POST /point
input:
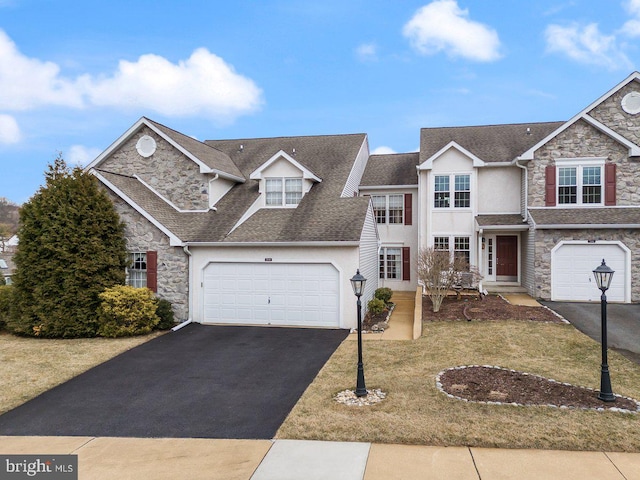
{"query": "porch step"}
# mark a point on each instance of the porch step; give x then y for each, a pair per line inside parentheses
(497, 288)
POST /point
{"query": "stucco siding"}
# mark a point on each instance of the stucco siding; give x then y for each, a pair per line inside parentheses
(499, 190)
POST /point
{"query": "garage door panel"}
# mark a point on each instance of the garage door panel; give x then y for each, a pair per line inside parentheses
(573, 265)
(278, 294)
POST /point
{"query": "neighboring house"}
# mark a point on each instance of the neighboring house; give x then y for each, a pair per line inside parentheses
(7, 267)
(254, 231)
(536, 206)
(392, 183)
(270, 230)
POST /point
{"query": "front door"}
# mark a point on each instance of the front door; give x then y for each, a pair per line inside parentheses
(507, 258)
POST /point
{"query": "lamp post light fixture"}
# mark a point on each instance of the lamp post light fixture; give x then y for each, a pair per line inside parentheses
(604, 275)
(358, 282)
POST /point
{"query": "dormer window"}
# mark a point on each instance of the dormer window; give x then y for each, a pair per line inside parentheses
(283, 192)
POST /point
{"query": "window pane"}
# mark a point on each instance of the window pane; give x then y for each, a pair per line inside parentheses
(568, 189)
(274, 191)
(394, 262)
(293, 191)
(381, 264)
(396, 206)
(137, 272)
(441, 195)
(441, 243)
(461, 249)
(591, 185)
(462, 194)
(379, 208)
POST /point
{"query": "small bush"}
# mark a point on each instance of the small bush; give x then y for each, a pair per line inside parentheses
(6, 300)
(376, 306)
(127, 311)
(384, 294)
(165, 312)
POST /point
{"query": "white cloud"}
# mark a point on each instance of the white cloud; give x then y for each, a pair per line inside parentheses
(367, 52)
(631, 28)
(382, 150)
(9, 130)
(442, 26)
(81, 155)
(201, 85)
(27, 83)
(204, 84)
(586, 44)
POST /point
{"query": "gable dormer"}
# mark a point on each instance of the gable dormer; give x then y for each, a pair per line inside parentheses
(283, 181)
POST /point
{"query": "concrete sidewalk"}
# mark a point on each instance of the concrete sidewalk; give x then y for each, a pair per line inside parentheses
(105, 458)
(400, 322)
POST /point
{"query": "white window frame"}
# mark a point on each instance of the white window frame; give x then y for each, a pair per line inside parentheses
(451, 193)
(283, 191)
(385, 269)
(451, 244)
(387, 209)
(580, 164)
(137, 277)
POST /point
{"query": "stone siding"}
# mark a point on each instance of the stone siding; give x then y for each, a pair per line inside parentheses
(546, 240)
(611, 114)
(168, 171)
(581, 140)
(173, 262)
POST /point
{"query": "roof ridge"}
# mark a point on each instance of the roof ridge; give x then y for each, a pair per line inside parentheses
(495, 125)
(284, 137)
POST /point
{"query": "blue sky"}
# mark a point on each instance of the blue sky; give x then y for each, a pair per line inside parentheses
(76, 75)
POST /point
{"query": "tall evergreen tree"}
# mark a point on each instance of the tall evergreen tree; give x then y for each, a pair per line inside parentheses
(71, 248)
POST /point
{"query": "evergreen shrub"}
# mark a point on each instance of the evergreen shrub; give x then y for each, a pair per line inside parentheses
(165, 313)
(376, 306)
(127, 311)
(383, 294)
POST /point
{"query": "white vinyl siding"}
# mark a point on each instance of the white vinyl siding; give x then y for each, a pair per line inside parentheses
(369, 258)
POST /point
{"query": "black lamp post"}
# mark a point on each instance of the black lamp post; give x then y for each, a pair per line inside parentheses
(604, 275)
(357, 282)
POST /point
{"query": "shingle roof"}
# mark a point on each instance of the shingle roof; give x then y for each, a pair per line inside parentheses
(490, 143)
(208, 155)
(548, 217)
(322, 215)
(509, 219)
(391, 169)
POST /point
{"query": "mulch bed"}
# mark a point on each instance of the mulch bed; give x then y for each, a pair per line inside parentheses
(490, 307)
(492, 384)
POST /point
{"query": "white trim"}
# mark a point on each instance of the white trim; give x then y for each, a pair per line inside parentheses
(306, 173)
(627, 266)
(579, 164)
(174, 241)
(473, 192)
(428, 163)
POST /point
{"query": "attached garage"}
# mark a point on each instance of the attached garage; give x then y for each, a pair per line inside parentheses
(572, 265)
(292, 294)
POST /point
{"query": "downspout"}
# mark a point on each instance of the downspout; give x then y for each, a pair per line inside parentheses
(525, 207)
(480, 253)
(188, 320)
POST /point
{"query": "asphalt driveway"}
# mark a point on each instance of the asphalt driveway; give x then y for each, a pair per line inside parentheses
(623, 324)
(201, 381)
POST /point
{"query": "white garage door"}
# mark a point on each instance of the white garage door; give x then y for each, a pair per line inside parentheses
(573, 266)
(272, 294)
